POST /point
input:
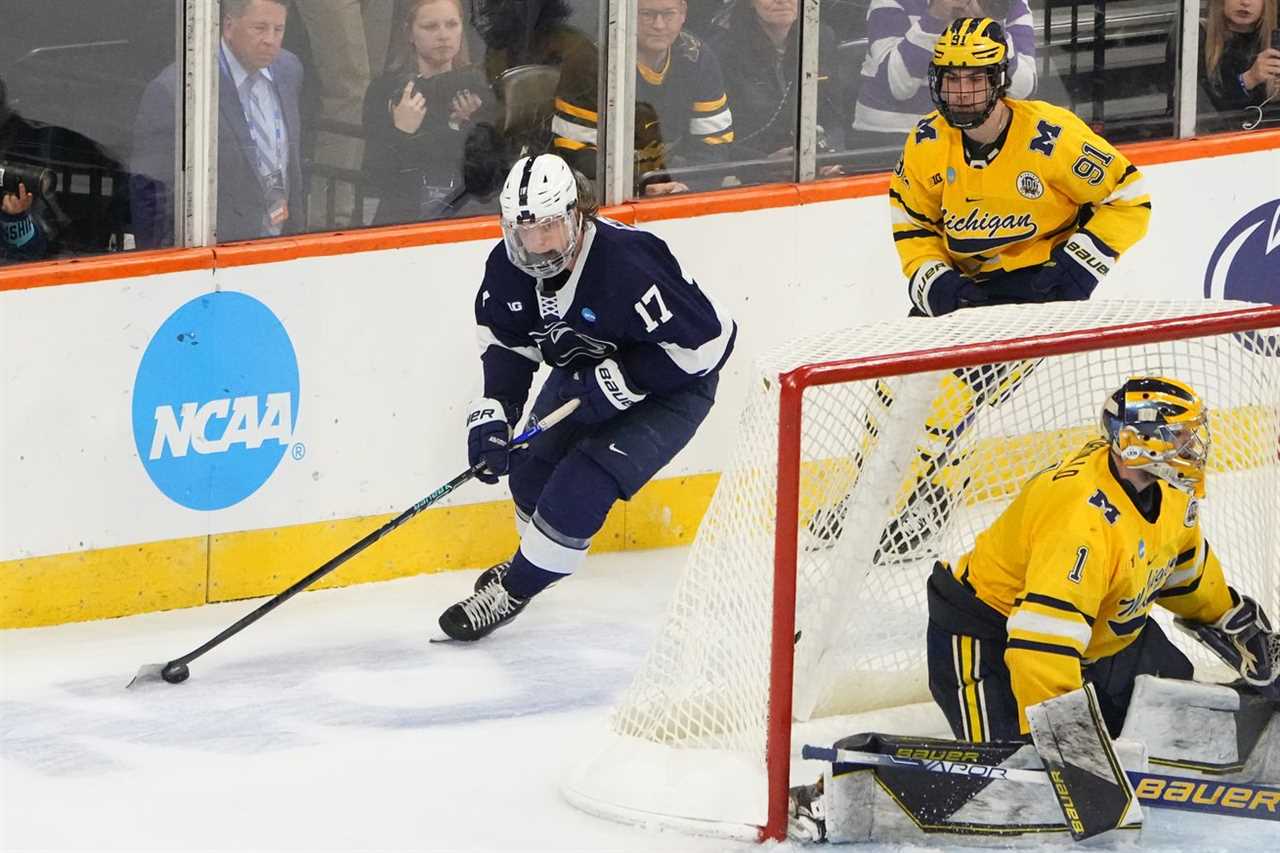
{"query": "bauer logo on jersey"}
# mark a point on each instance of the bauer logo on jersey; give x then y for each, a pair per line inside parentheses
(1029, 185)
(973, 231)
(215, 400)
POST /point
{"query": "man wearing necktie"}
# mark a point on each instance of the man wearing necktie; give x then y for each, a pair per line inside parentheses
(260, 187)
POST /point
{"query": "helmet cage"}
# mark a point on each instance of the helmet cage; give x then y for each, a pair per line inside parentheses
(558, 230)
(965, 118)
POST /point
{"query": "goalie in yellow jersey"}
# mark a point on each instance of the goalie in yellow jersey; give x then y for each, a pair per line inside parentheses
(1058, 592)
(998, 200)
(1058, 589)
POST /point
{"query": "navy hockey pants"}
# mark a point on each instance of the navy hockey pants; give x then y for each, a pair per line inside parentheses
(627, 451)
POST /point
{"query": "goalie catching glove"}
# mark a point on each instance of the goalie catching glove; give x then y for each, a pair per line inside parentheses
(488, 440)
(1244, 639)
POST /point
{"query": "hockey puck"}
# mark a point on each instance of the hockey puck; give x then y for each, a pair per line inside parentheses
(175, 674)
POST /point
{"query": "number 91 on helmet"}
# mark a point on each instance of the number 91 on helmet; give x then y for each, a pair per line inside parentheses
(541, 224)
(1159, 425)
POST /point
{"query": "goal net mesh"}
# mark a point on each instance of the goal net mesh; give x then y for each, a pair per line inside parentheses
(897, 472)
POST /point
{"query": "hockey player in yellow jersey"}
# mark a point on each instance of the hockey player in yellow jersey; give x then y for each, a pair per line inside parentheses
(995, 201)
(1058, 590)
(998, 200)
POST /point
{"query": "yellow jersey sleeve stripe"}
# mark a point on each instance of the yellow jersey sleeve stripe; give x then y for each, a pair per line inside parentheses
(565, 107)
(710, 106)
(1037, 646)
(919, 217)
(568, 144)
(718, 140)
(1052, 603)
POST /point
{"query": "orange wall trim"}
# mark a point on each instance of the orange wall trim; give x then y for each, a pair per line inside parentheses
(137, 264)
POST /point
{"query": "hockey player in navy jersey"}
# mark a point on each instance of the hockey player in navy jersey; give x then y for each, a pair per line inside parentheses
(609, 310)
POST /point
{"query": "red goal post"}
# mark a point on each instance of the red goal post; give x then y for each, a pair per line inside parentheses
(802, 602)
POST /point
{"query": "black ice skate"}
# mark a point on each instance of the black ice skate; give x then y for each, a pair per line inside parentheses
(496, 572)
(806, 813)
(481, 613)
(926, 512)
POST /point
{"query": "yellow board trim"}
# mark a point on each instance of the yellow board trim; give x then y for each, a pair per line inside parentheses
(110, 582)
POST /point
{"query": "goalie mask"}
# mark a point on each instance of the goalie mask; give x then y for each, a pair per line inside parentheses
(540, 220)
(1159, 425)
(969, 43)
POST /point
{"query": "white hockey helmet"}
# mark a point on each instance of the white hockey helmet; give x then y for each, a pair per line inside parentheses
(540, 220)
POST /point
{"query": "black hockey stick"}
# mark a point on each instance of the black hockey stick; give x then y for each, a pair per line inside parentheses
(176, 670)
(1235, 799)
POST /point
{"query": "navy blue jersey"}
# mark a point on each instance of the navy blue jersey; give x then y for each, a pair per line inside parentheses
(626, 299)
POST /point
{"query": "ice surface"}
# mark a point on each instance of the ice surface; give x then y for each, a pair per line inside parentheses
(334, 725)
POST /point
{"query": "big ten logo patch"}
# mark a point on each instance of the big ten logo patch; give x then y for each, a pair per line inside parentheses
(1245, 265)
(215, 400)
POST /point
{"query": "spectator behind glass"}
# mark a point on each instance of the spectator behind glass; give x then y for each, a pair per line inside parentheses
(760, 55)
(260, 189)
(348, 47)
(894, 91)
(417, 116)
(519, 33)
(1238, 66)
(682, 113)
(24, 232)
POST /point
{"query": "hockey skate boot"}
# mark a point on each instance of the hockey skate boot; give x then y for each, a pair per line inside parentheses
(497, 572)
(926, 512)
(806, 813)
(481, 613)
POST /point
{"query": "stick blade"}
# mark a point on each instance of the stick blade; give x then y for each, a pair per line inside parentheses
(147, 674)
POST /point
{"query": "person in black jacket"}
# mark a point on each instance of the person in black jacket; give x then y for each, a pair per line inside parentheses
(419, 114)
(1239, 67)
(760, 55)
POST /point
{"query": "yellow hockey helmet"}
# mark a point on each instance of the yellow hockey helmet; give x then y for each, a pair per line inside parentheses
(1159, 425)
(970, 43)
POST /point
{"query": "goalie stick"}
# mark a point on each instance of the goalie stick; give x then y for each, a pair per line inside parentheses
(176, 671)
(1235, 799)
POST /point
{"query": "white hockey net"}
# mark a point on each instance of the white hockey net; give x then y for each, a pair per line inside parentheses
(894, 473)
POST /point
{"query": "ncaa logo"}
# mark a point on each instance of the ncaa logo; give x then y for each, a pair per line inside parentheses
(1246, 265)
(215, 400)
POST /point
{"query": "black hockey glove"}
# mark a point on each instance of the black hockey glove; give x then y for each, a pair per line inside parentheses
(603, 390)
(488, 439)
(1244, 639)
(1072, 271)
(937, 289)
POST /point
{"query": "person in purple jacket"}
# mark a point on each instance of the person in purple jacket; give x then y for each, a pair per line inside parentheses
(894, 90)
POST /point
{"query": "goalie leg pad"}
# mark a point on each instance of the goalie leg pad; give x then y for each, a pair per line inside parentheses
(1089, 782)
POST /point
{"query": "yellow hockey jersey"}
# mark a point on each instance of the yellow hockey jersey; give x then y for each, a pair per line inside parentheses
(1076, 567)
(1050, 177)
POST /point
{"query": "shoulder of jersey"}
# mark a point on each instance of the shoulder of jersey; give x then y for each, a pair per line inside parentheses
(1083, 484)
(689, 46)
(1036, 111)
(930, 128)
(630, 249)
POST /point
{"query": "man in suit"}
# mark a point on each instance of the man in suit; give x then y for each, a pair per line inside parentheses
(260, 188)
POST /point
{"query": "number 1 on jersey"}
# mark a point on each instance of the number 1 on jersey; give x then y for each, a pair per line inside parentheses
(642, 308)
(1077, 571)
